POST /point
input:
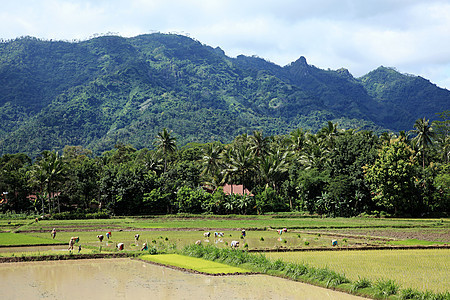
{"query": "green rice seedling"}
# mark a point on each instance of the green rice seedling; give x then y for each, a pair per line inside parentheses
(152, 250)
(278, 265)
(319, 274)
(335, 279)
(261, 239)
(411, 293)
(385, 288)
(361, 283)
(294, 271)
(306, 243)
(299, 236)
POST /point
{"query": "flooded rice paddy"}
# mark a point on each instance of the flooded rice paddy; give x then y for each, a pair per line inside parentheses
(24, 249)
(133, 279)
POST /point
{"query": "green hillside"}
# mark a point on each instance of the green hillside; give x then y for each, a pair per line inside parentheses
(111, 89)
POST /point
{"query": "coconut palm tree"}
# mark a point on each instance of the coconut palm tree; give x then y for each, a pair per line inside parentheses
(239, 164)
(166, 143)
(424, 136)
(329, 134)
(297, 140)
(211, 161)
(258, 143)
(48, 172)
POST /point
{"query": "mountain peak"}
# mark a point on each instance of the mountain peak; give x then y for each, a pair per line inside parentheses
(344, 73)
(299, 67)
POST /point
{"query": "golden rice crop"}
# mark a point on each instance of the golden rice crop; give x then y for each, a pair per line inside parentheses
(424, 269)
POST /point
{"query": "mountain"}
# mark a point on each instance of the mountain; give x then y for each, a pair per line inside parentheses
(111, 89)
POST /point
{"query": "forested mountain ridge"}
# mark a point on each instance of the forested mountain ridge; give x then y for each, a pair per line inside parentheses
(111, 89)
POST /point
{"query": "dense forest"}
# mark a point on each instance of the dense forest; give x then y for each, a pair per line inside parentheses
(111, 90)
(333, 172)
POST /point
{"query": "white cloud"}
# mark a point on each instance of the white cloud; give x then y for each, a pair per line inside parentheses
(411, 35)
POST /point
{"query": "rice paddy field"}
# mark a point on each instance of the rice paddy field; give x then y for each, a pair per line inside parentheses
(196, 264)
(424, 269)
(421, 269)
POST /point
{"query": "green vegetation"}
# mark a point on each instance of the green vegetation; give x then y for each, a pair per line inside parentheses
(13, 239)
(419, 269)
(109, 90)
(303, 272)
(334, 173)
(193, 263)
(403, 273)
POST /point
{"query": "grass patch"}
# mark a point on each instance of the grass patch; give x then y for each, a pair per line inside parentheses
(192, 263)
(15, 239)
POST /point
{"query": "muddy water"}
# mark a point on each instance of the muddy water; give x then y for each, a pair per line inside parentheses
(132, 279)
(33, 249)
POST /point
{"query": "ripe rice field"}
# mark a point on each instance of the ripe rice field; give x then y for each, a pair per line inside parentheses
(419, 269)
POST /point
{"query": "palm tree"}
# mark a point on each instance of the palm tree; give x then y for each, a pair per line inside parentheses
(315, 153)
(297, 140)
(424, 136)
(153, 162)
(48, 172)
(211, 161)
(239, 164)
(272, 168)
(258, 143)
(166, 144)
(329, 134)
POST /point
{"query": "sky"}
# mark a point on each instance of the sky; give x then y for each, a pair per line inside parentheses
(412, 36)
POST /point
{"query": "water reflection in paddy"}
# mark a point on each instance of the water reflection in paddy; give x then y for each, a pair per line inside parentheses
(132, 279)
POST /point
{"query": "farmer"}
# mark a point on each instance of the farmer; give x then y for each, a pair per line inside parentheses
(144, 247)
(53, 233)
(285, 230)
(207, 234)
(198, 242)
(136, 237)
(100, 237)
(120, 246)
(243, 233)
(72, 242)
(108, 234)
(234, 244)
(280, 231)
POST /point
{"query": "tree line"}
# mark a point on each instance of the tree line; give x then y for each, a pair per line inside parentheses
(333, 172)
